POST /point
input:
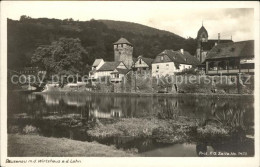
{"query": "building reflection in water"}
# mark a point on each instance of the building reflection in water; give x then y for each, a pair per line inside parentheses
(127, 107)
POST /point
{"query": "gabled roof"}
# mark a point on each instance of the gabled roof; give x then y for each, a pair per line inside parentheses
(120, 71)
(148, 61)
(109, 66)
(123, 41)
(236, 49)
(96, 62)
(92, 72)
(178, 57)
(211, 43)
(135, 59)
(174, 56)
(189, 59)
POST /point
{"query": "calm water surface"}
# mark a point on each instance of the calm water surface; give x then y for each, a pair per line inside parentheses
(106, 108)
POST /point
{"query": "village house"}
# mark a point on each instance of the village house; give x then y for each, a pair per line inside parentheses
(169, 62)
(204, 45)
(118, 74)
(108, 67)
(143, 65)
(96, 65)
(231, 58)
(122, 64)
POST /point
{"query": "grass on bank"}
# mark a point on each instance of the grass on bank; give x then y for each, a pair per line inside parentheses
(38, 146)
(166, 131)
(163, 130)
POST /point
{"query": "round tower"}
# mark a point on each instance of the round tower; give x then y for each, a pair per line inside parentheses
(123, 51)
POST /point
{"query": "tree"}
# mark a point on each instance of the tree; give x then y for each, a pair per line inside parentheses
(61, 57)
(24, 18)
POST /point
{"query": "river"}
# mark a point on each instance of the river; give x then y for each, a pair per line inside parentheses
(30, 109)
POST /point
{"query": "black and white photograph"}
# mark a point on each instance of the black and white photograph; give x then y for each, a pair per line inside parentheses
(129, 79)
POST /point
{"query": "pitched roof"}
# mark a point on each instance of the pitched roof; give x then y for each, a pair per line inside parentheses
(174, 56)
(123, 41)
(92, 72)
(109, 66)
(236, 49)
(211, 43)
(96, 62)
(189, 59)
(178, 57)
(121, 71)
(148, 61)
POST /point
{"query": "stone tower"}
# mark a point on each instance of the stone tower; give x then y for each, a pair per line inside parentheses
(202, 38)
(123, 51)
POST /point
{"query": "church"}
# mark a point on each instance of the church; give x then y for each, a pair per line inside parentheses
(204, 45)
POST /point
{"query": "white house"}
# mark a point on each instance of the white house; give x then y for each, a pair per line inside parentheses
(96, 65)
(169, 62)
(104, 69)
(143, 64)
(118, 74)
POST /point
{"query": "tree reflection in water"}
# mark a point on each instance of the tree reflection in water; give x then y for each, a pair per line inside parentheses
(86, 108)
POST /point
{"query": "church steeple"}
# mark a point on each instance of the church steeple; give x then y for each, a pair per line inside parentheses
(202, 39)
(202, 35)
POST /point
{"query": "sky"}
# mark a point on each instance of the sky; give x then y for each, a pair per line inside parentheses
(184, 19)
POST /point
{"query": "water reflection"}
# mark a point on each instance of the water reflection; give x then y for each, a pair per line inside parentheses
(127, 107)
(89, 107)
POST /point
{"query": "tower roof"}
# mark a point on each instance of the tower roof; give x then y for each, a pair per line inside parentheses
(201, 30)
(123, 41)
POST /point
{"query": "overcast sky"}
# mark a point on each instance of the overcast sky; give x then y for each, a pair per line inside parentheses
(183, 19)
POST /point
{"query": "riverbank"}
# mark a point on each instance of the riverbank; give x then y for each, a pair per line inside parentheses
(213, 95)
(38, 146)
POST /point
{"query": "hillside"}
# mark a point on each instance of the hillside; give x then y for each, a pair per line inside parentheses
(136, 28)
(25, 35)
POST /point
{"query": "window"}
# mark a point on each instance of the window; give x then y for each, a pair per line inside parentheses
(167, 65)
(121, 45)
(157, 67)
(161, 57)
(140, 61)
(233, 64)
(222, 65)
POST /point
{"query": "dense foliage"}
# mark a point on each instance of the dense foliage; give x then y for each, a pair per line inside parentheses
(96, 37)
(61, 57)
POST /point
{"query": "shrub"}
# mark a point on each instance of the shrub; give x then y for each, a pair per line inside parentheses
(29, 129)
(212, 131)
(13, 129)
(196, 84)
(191, 71)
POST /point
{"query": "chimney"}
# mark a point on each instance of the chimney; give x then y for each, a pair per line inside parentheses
(181, 51)
(218, 37)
